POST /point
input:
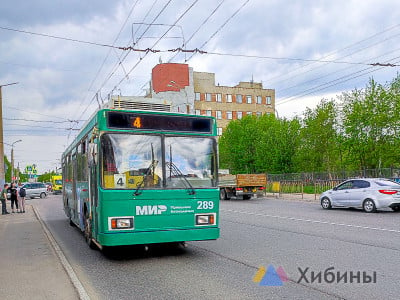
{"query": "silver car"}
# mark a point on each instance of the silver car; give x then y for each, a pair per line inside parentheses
(35, 189)
(369, 194)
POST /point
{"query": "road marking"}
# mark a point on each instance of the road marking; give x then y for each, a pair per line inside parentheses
(311, 221)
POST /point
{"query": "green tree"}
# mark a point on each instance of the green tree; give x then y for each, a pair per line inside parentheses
(259, 144)
(7, 174)
(237, 146)
(319, 149)
(371, 126)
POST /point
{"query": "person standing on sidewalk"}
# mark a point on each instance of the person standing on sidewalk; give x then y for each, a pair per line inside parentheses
(3, 198)
(21, 199)
(14, 197)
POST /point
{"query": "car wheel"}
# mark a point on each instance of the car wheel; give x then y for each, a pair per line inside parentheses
(43, 195)
(369, 206)
(396, 208)
(326, 203)
(222, 194)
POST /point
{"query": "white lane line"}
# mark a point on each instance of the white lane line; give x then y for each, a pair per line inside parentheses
(310, 221)
(83, 295)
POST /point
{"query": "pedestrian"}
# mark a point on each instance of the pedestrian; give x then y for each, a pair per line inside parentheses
(3, 198)
(14, 197)
(21, 199)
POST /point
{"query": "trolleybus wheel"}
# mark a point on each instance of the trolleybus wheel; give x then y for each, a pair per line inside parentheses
(88, 234)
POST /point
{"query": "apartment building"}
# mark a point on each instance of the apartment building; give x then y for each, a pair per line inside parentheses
(196, 92)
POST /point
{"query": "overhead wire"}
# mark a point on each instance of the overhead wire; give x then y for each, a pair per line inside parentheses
(105, 59)
(334, 52)
(332, 83)
(115, 67)
(180, 17)
(222, 26)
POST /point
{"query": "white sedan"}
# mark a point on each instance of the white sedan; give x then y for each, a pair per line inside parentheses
(369, 194)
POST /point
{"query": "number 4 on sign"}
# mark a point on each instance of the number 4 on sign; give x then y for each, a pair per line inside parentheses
(137, 123)
(119, 181)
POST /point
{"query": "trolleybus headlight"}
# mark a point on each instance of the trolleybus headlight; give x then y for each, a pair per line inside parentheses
(121, 223)
(205, 219)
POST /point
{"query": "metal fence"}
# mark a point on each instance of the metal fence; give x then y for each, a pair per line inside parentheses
(316, 183)
(339, 175)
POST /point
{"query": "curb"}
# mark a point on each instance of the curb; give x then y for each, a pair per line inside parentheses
(83, 295)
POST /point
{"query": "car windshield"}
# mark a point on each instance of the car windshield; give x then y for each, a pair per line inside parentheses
(137, 161)
(386, 183)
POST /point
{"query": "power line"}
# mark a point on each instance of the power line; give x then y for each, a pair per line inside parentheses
(201, 25)
(116, 66)
(57, 37)
(108, 54)
(222, 26)
(31, 112)
(42, 121)
(337, 51)
(333, 83)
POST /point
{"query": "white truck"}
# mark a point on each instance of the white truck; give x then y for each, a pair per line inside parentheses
(241, 185)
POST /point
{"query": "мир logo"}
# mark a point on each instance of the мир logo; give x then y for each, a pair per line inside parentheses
(270, 276)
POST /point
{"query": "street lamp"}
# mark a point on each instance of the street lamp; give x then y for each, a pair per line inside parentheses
(172, 83)
(12, 159)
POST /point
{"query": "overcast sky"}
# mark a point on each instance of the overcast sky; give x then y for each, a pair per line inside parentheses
(305, 50)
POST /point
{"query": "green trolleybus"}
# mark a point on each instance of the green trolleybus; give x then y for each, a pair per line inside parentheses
(142, 177)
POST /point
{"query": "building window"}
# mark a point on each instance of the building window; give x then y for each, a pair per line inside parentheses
(259, 100)
(259, 114)
(239, 99)
(239, 114)
(197, 112)
(268, 99)
(229, 98)
(218, 114)
(248, 99)
(208, 113)
(197, 96)
(208, 97)
(229, 115)
(219, 131)
(219, 98)
(249, 113)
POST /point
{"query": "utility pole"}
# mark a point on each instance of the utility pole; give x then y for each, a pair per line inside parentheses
(2, 175)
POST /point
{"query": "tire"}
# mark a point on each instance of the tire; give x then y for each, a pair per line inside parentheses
(222, 194)
(42, 195)
(326, 203)
(88, 234)
(369, 206)
(396, 208)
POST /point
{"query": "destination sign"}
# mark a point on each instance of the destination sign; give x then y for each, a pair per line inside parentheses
(156, 122)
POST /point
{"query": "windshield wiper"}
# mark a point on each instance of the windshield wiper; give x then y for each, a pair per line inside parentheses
(176, 172)
(150, 170)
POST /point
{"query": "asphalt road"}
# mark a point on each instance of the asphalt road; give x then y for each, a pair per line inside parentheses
(300, 237)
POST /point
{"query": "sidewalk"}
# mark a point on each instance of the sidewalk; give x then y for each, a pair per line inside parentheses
(29, 267)
(294, 196)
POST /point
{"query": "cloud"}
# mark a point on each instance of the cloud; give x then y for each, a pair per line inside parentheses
(58, 79)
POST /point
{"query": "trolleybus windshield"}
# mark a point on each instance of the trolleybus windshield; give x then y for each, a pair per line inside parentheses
(131, 161)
